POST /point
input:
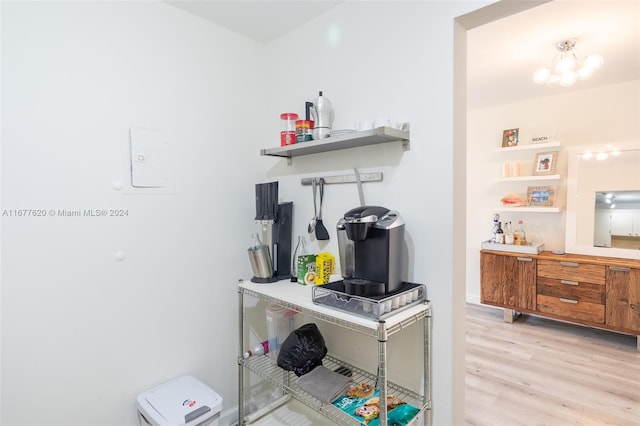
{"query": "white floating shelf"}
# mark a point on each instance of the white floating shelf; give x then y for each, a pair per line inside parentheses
(530, 178)
(529, 147)
(528, 209)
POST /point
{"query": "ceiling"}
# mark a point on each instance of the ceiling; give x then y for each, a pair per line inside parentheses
(262, 21)
(502, 55)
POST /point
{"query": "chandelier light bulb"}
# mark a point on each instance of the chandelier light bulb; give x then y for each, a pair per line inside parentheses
(594, 62)
(584, 73)
(568, 78)
(542, 75)
(566, 63)
(553, 80)
(566, 68)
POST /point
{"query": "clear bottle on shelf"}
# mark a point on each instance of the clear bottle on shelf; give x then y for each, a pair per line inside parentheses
(536, 238)
(301, 249)
(519, 236)
(257, 350)
(508, 233)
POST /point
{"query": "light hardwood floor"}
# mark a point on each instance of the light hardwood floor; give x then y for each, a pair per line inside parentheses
(543, 372)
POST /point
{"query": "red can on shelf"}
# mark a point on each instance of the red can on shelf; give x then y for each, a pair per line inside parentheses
(288, 128)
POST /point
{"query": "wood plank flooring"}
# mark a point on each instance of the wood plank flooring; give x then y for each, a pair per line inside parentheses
(543, 372)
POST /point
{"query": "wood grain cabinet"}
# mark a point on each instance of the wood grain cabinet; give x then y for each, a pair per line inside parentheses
(596, 291)
(508, 281)
(623, 298)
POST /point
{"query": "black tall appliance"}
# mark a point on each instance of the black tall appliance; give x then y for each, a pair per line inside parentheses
(275, 228)
(371, 241)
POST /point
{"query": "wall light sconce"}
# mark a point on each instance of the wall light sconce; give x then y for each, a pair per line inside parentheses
(566, 67)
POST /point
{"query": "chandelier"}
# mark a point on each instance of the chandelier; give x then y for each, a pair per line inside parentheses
(566, 68)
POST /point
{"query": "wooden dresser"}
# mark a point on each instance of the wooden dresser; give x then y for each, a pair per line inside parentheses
(596, 291)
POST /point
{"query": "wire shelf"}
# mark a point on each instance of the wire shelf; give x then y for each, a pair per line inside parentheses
(267, 370)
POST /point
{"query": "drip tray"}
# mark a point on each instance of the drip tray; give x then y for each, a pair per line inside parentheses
(333, 296)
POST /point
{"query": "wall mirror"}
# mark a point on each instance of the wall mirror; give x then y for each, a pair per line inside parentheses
(598, 179)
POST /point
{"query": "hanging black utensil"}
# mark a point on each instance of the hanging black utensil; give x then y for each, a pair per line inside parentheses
(321, 230)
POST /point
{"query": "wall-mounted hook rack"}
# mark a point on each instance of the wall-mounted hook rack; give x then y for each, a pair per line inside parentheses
(329, 180)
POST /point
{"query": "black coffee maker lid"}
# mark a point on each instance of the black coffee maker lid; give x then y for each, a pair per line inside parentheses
(365, 214)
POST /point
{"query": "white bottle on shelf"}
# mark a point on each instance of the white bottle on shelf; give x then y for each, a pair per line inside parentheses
(257, 350)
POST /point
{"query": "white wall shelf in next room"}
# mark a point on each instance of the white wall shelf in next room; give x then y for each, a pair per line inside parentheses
(526, 209)
(530, 147)
(529, 178)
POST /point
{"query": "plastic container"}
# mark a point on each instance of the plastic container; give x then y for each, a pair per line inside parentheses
(185, 401)
(288, 128)
(279, 326)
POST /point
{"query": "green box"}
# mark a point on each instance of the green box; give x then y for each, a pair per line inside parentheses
(307, 269)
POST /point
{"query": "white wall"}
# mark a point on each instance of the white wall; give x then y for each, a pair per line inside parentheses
(588, 117)
(83, 334)
(378, 59)
(94, 332)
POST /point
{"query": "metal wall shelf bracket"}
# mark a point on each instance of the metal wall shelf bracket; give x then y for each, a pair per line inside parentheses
(329, 180)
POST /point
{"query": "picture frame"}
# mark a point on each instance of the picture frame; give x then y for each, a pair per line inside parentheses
(510, 138)
(541, 196)
(545, 163)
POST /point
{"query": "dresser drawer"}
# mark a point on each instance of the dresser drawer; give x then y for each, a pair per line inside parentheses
(573, 290)
(571, 271)
(571, 308)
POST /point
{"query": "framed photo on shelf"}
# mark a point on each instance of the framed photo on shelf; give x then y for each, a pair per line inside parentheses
(510, 138)
(545, 163)
(541, 196)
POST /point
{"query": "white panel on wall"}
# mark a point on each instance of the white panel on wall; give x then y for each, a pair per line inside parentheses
(149, 158)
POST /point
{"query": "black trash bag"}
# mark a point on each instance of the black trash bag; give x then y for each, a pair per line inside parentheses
(303, 350)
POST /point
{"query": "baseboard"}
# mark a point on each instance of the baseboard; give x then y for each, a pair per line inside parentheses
(473, 298)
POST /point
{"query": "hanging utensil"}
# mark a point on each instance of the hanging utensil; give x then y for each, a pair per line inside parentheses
(312, 222)
(321, 230)
(359, 181)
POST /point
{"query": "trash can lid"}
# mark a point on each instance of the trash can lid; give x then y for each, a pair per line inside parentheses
(180, 402)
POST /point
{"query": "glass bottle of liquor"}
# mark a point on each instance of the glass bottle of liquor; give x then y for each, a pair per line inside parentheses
(519, 236)
(508, 233)
(499, 234)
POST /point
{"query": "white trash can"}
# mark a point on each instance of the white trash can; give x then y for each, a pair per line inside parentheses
(185, 401)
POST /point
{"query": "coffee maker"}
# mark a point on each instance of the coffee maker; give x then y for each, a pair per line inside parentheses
(370, 243)
(275, 229)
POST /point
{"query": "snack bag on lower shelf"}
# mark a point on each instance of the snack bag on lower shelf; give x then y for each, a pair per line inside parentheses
(365, 407)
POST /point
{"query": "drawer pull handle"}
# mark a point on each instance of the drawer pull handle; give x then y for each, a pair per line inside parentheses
(525, 259)
(562, 299)
(567, 282)
(619, 269)
(570, 264)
